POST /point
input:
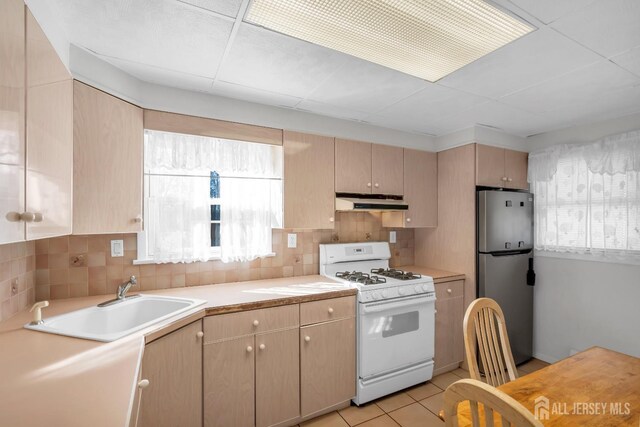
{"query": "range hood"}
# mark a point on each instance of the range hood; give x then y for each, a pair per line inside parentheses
(346, 202)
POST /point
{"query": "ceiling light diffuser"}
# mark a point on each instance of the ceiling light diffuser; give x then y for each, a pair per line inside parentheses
(424, 38)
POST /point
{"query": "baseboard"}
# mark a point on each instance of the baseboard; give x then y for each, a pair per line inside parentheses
(447, 368)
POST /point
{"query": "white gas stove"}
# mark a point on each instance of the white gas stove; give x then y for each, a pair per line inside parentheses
(396, 317)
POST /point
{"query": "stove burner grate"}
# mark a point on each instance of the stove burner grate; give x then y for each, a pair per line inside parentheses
(395, 274)
(359, 277)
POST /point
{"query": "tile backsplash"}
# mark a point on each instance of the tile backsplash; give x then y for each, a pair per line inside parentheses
(17, 277)
(76, 266)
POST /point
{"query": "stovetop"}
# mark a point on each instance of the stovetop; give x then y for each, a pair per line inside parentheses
(359, 277)
(395, 274)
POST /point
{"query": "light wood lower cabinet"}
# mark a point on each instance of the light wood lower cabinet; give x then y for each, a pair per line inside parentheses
(229, 382)
(327, 365)
(173, 367)
(449, 343)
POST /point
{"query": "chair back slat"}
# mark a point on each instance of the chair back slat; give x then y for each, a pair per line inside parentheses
(486, 338)
(488, 401)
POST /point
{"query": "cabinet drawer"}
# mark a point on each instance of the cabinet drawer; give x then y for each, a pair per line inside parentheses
(250, 322)
(450, 289)
(327, 309)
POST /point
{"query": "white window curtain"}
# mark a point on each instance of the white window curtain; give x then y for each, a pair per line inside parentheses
(587, 198)
(177, 171)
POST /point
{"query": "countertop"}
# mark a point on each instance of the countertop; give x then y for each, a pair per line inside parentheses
(48, 379)
(439, 276)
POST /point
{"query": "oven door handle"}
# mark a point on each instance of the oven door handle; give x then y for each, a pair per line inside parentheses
(376, 307)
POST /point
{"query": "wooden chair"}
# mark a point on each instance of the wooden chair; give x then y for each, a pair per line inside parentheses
(485, 330)
(496, 405)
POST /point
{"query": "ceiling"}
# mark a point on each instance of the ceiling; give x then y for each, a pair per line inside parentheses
(581, 65)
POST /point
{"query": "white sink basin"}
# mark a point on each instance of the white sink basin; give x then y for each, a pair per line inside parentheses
(117, 320)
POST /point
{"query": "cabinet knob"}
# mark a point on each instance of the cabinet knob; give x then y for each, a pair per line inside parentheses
(435, 311)
(330, 219)
(504, 178)
(13, 216)
(199, 334)
(262, 347)
(330, 310)
(408, 219)
(37, 217)
(369, 184)
(138, 219)
(249, 349)
(449, 291)
(376, 185)
(509, 179)
(143, 383)
(256, 323)
(307, 338)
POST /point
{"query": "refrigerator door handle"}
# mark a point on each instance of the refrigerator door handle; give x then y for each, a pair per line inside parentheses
(531, 274)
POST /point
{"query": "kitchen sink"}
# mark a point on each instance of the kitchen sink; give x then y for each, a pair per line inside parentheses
(117, 320)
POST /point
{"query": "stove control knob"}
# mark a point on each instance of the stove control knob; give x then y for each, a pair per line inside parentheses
(402, 291)
(417, 289)
(384, 294)
(375, 295)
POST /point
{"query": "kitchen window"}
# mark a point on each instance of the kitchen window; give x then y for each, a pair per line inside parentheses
(587, 199)
(209, 198)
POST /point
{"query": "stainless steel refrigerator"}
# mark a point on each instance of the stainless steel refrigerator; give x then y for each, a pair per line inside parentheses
(505, 262)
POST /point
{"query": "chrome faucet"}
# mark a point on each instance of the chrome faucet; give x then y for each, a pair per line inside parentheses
(121, 294)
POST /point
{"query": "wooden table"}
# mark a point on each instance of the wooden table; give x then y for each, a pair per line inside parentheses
(597, 387)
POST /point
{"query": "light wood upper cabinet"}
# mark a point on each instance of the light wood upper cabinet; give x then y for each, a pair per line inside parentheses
(309, 195)
(12, 118)
(353, 166)
(420, 192)
(173, 366)
(499, 167)
(108, 145)
(327, 365)
(49, 179)
(387, 169)
(366, 168)
(277, 377)
(449, 343)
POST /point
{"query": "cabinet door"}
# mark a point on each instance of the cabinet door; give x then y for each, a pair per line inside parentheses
(12, 111)
(229, 392)
(490, 166)
(277, 377)
(387, 166)
(327, 365)
(49, 171)
(309, 195)
(421, 188)
(449, 343)
(173, 367)
(516, 166)
(353, 167)
(108, 141)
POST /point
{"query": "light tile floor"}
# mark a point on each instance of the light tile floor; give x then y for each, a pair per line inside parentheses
(415, 406)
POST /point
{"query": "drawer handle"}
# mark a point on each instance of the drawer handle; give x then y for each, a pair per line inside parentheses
(330, 310)
(435, 311)
(408, 219)
(307, 338)
(504, 178)
(143, 384)
(249, 349)
(262, 347)
(449, 291)
(256, 323)
(377, 185)
(368, 184)
(510, 179)
(331, 219)
(199, 334)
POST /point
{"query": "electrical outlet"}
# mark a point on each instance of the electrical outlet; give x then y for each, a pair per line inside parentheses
(392, 237)
(117, 248)
(292, 240)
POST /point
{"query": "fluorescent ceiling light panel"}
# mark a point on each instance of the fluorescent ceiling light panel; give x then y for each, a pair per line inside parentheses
(425, 38)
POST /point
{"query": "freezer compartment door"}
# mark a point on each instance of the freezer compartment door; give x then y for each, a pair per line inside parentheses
(504, 279)
(505, 221)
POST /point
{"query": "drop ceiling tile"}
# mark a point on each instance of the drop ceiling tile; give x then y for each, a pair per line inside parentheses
(609, 27)
(266, 60)
(365, 86)
(548, 11)
(161, 33)
(580, 92)
(230, 90)
(225, 7)
(331, 110)
(162, 76)
(429, 105)
(532, 59)
(630, 60)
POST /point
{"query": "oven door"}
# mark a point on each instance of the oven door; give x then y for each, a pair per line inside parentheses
(394, 334)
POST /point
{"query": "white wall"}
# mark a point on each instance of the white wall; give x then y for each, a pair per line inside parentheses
(579, 304)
